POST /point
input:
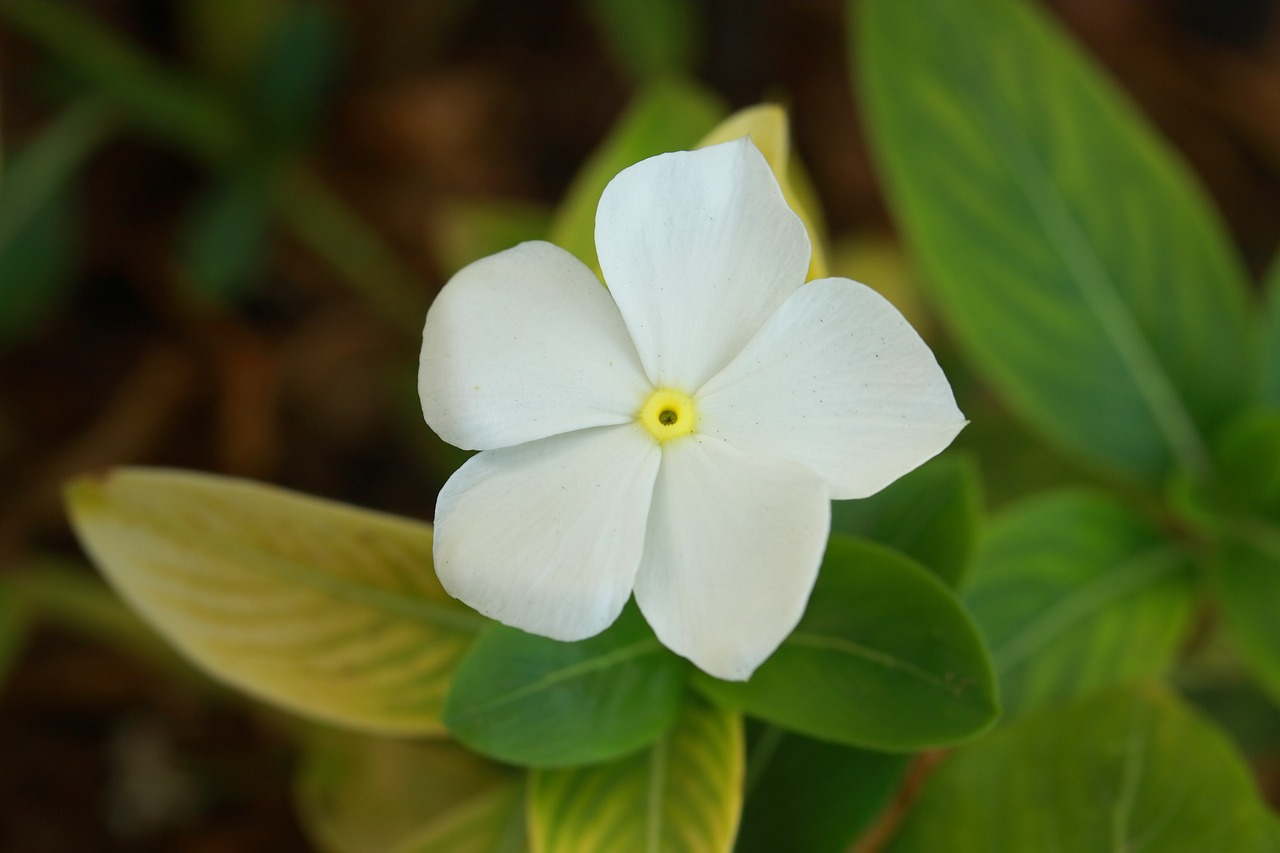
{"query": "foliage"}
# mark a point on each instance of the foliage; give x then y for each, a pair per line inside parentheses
(1076, 260)
(1123, 769)
(1054, 651)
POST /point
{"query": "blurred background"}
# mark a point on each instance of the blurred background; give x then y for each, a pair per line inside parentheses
(221, 223)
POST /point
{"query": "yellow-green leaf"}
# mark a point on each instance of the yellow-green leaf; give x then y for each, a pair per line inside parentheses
(324, 609)
(684, 793)
(372, 795)
(768, 128)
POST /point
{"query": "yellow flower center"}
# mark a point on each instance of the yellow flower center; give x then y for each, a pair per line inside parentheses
(668, 414)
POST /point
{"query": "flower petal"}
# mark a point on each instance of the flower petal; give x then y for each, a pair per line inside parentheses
(546, 536)
(731, 554)
(522, 345)
(838, 381)
(698, 249)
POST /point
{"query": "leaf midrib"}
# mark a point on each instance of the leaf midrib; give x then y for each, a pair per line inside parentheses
(1090, 276)
(437, 614)
(655, 817)
(638, 649)
(1103, 590)
(842, 645)
(1131, 776)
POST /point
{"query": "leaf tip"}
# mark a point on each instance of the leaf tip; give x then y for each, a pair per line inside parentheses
(86, 491)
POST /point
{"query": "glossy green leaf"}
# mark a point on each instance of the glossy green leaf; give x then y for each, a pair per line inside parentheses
(1270, 373)
(226, 237)
(160, 98)
(37, 240)
(539, 702)
(652, 40)
(931, 515)
(809, 795)
(1075, 591)
(884, 658)
(681, 795)
(1246, 578)
(1126, 770)
(1080, 265)
(327, 610)
(666, 116)
(377, 795)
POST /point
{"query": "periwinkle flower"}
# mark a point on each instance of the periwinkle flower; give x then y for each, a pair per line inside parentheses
(680, 434)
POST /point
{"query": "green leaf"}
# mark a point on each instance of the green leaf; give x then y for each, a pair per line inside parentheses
(225, 38)
(1246, 575)
(323, 222)
(45, 166)
(1124, 770)
(684, 793)
(543, 703)
(295, 73)
(809, 795)
(1075, 591)
(1080, 265)
(327, 610)
(884, 658)
(226, 236)
(1270, 373)
(373, 795)
(931, 515)
(73, 598)
(1239, 707)
(1247, 465)
(35, 270)
(652, 40)
(770, 130)
(666, 116)
(466, 231)
(160, 98)
(37, 246)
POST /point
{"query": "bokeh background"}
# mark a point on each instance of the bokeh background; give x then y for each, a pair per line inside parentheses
(221, 222)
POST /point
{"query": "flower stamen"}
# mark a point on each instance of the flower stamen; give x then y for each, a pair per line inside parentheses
(668, 414)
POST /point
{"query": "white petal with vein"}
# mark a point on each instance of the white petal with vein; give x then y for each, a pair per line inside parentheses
(731, 554)
(838, 381)
(546, 536)
(698, 249)
(522, 345)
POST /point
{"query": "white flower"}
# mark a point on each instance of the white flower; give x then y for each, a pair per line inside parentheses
(681, 433)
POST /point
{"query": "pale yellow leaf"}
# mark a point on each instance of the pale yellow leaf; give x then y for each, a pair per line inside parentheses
(681, 795)
(768, 127)
(373, 795)
(327, 610)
